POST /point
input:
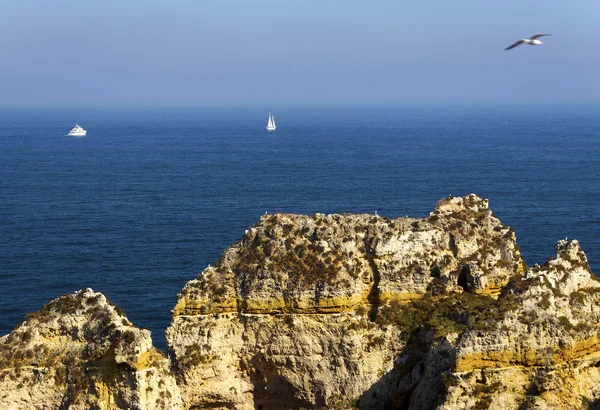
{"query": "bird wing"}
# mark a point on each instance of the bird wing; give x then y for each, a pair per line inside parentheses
(539, 35)
(514, 45)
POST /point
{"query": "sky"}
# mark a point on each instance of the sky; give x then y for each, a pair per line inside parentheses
(297, 51)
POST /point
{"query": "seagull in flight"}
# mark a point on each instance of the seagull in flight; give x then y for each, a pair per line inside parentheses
(532, 41)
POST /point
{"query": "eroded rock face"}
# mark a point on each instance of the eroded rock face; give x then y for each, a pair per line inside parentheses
(536, 346)
(331, 263)
(288, 316)
(81, 352)
(335, 312)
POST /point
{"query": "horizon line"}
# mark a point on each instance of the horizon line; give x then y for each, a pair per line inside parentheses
(183, 104)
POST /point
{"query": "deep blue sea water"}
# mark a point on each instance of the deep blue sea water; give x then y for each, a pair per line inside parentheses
(152, 195)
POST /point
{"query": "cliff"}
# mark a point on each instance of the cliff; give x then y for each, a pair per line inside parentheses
(338, 311)
(536, 346)
(358, 310)
(81, 352)
(332, 263)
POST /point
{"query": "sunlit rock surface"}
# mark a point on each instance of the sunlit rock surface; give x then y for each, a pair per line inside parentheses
(334, 312)
(81, 352)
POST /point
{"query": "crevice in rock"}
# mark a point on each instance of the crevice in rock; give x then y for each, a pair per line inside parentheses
(373, 297)
(240, 285)
(465, 279)
(452, 245)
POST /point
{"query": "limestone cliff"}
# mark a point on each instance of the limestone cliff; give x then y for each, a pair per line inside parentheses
(81, 352)
(536, 346)
(331, 263)
(335, 312)
(290, 315)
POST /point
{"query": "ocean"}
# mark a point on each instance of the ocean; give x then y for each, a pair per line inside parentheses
(152, 195)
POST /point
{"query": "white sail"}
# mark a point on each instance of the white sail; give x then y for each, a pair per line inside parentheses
(271, 123)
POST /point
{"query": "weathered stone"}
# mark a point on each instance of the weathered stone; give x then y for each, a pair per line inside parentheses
(286, 316)
(335, 312)
(81, 352)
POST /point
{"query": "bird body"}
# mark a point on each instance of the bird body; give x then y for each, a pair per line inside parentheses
(532, 41)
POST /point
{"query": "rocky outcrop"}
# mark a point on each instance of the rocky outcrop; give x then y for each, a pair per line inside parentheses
(335, 312)
(287, 317)
(332, 263)
(81, 352)
(536, 346)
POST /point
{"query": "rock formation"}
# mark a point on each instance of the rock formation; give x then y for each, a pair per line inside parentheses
(336, 312)
(81, 352)
(291, 315)
(536, 346)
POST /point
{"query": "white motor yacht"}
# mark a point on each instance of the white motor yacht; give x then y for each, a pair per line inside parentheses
(77, 131)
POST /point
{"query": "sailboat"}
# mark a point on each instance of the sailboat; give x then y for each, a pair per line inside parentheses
(271, 124)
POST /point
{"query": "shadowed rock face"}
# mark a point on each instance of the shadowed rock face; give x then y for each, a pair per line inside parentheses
(81, 352)
(335, 311)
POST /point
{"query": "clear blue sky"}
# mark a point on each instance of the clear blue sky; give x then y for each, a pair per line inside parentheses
(296, 51)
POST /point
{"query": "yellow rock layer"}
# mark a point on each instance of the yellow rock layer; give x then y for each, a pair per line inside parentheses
(493, 290)
(401, 297)
(267, 306)
(192, 307)
(533, 357)
(203, 306)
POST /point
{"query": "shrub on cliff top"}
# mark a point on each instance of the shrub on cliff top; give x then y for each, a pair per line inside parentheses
(305, 262)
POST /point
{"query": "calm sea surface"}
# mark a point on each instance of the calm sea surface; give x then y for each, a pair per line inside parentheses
(153, 195)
